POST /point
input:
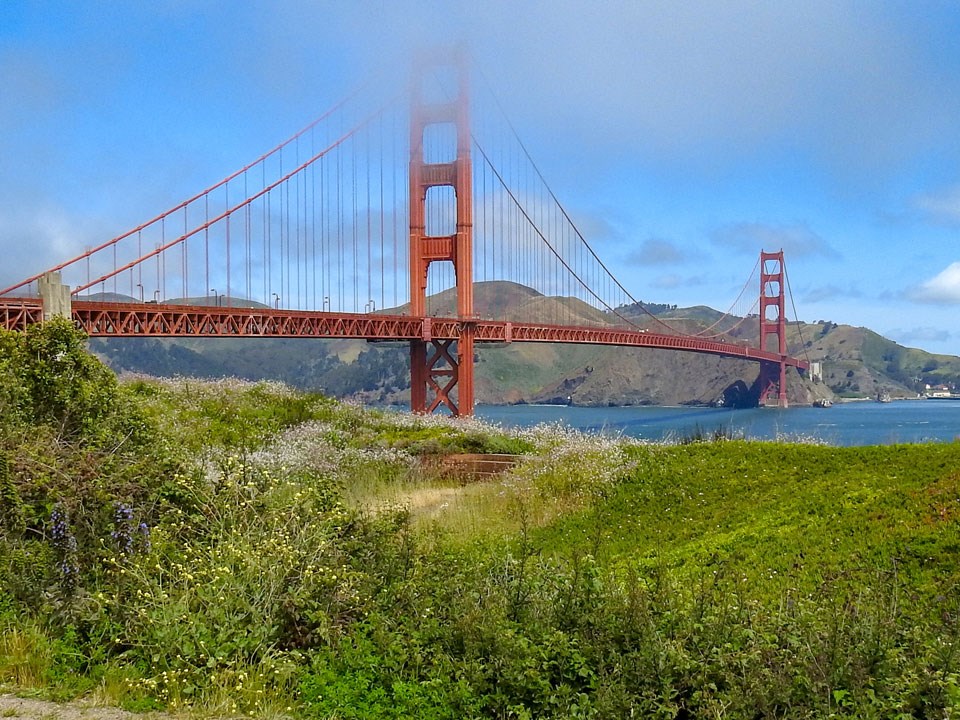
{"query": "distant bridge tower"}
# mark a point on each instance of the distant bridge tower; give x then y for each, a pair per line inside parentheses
(439, 366)
(773, 322)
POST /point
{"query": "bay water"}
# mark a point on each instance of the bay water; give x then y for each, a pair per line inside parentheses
(844, 424)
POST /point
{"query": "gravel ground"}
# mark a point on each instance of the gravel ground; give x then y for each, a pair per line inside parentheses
(31, 709)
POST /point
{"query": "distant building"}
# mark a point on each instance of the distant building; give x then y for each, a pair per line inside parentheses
(816, 371)
(937, 391)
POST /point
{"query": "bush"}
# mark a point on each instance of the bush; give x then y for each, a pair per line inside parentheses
(48, 378)
(79, 466)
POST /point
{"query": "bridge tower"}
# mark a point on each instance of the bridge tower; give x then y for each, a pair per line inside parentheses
(439, 366)
(773, 323)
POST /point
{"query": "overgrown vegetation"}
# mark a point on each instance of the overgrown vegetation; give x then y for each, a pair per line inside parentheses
(241, 547)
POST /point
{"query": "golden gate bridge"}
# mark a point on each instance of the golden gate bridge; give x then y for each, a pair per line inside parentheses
(355, 226)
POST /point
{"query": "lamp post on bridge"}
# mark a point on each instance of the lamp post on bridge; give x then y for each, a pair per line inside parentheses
(140, 285)
(276, 301)
(216, 298)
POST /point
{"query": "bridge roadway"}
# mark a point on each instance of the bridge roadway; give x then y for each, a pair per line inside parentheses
(103, 319)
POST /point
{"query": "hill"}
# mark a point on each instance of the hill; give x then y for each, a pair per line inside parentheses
(856, 362)
(205, 300)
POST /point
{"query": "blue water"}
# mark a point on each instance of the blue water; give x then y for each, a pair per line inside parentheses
(853, 423)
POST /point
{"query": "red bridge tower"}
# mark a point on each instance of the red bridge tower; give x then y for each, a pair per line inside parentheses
(773, 322)
(439, 366)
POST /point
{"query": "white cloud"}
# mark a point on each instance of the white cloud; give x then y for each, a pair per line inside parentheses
(942, 289)
(752, 237)
(594, 225)
(919, 335)
(826, 293)
(38, 237)
(943, 206)
(654, 251)
(677, 81)
(671, 282)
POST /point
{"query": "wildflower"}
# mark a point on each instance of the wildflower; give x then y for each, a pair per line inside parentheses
(65, 547)
(122, 528)
(143, 532)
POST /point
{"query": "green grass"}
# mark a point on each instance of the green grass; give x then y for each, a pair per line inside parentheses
(774, 511)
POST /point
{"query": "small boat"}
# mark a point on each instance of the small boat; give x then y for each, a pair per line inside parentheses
(823, 403)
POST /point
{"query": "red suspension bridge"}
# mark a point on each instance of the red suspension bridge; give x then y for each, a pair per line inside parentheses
(346, 230)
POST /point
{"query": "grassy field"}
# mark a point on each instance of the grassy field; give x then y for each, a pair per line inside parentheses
(228, 548)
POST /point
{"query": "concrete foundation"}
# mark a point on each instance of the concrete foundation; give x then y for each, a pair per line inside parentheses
(55, 296)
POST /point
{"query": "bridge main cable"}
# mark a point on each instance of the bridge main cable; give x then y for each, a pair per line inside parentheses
(571, 223)
(186, 203)
(227, 213)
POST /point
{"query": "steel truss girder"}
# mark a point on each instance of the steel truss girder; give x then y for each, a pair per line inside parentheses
(99, 319)
(18, 313)
(135, 320)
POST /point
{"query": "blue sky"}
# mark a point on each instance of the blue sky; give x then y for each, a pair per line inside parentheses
(683, 137)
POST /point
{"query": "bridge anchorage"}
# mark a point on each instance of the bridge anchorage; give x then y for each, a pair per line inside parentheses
(308, 241)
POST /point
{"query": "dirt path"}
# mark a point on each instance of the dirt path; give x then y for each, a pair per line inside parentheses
(31, 709)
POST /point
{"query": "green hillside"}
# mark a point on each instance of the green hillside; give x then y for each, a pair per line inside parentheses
(783, 517)
(860, 363)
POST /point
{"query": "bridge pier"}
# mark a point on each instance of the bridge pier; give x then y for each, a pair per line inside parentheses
(773, 379)
(55, 296)
(436, 368)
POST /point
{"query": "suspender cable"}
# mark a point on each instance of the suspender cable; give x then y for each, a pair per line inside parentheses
(369, 222)
(353, 233)
(226, 199)
(220, 217)
(296, 225)
(206, 242)
(269, 225)
(185, 260)
(284, 255)
(340, 258)
(162, 282)
(313, 224)
(383, 284)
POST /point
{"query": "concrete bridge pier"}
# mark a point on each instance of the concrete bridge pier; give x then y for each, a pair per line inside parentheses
(55, 296)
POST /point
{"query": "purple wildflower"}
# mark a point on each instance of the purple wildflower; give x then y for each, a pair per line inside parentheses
(65, 545)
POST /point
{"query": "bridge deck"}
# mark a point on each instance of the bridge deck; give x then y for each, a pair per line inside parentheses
(100, 319)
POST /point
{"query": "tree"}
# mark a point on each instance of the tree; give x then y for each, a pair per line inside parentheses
(48, 378)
